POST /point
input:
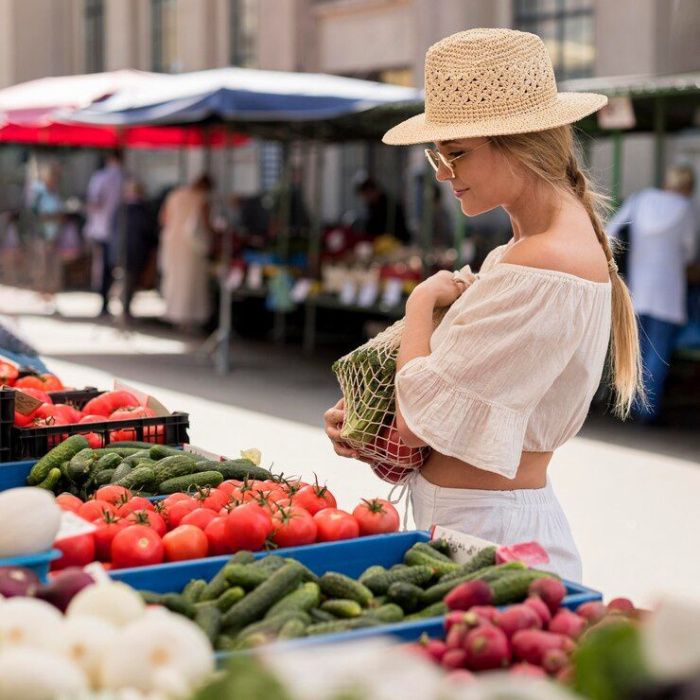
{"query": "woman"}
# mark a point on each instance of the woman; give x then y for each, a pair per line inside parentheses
(508, 375)
(185, 243)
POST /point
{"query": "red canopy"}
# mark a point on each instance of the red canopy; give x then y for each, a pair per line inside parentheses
(35, 112)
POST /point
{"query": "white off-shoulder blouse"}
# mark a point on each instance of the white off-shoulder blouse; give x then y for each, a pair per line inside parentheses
(513, 366)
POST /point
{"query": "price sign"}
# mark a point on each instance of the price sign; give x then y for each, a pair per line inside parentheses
(462, 546)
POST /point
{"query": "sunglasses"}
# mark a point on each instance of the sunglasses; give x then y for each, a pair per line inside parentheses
(436, 159)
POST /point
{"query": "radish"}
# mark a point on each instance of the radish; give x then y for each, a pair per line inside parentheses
(518, 617)
(487, 648)
(554, 661)
(540, 607)
(456, 636)
(435, 647)
(532, 645)
(486, 613)
(454, 658)
(622, 605)
(468, 594)
(525, 669)
(454, 617)
(568, 623)
(593, 611)
(551, 590)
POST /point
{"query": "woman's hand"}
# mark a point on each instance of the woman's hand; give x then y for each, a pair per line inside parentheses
(333, 419)
(442, 289)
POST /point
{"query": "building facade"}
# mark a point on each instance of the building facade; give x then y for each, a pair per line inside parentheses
(375, 39)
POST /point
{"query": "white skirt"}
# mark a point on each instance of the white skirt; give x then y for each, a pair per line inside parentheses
(504, 517)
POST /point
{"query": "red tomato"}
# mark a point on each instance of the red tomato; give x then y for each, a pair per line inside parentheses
(24, 420)
(49, 410)
(174, 498)
(107, 528)
(51, 382)
(77, 551)
(149, 518)
(389, 442)
(110, 401)
(185, 542)
(216, 534)
(68, 413)
(37, 394)
(134, 503)
(293, 527)
(136, 545)
(131, 412)
(94, 440)
(199, 517)
(314, 498)
(116, 495)
(30, 382)
(229, 486)
(213, 499)
(376, 517)
(334, 524)
(92, 418)
(178, 510)
(8, 373)
(247, 527)
(91, 510)
(68, 501)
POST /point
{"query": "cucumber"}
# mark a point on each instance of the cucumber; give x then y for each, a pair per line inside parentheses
(242, 469)
(435, 610)
(336, 585)
(209, 619)
(110, 460)
(120, 472)
(52, 478)
(306, 574)
(245, 575)
(318, 615)
(130, 444)
(292, 629)
(405, 595)
(150, 597)
(338, 626)
(81, 465)
(219, 583)
(104, 477)
(260, 600)
(121, 451)
(133, 459)
(441, 545)
(184, 483)
(483, 558)
(245, 557)
(488, 573)
(224, 642)
(229, 598)
(417, 575)
(388, 613)
(342, 607)
(193, 590)
(370, 572)
(307, 596)
(179, 604)
(418, 557)
(267, 630)
(513, 587)
(64, 469)
(138, 478)
(161, 451)
(65, 451)
(269, 563)
(172, 467)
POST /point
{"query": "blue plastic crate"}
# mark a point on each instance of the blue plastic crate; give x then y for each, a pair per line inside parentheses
(350, 557)
(38, 563)
(13, 474)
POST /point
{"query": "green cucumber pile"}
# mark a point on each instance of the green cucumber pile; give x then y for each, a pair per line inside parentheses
(144, 468)
(253, 602)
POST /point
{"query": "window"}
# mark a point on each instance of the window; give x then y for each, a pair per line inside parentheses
(243, 24)
(567, 29)
(164, 35)
(94, 14)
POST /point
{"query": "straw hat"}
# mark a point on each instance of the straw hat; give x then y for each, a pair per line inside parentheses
(489, 82)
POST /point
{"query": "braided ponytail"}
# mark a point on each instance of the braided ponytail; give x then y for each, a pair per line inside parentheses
(551, 155)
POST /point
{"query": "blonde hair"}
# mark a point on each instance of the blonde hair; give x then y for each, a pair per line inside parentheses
(551, 156)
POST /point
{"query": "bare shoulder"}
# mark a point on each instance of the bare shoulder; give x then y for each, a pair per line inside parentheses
(562, 254)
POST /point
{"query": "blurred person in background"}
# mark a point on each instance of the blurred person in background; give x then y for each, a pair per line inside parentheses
(10, 247)
(377, 220)
(185, 242)
(104, 197)
(141, 240)
(662, 242)
(48, 207)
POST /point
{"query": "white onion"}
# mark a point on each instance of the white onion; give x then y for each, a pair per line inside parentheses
(29, 622)
(114, 601)
(29, 521)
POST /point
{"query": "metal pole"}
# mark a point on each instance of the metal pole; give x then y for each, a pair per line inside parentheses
(659, 140)
(314, 246)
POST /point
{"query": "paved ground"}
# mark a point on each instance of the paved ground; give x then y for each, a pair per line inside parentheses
(630, 492)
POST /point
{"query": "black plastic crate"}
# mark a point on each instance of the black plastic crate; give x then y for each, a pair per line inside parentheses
(32, 443)
(75, 397)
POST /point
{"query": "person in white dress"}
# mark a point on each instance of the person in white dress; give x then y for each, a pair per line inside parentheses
(508, 375)
(183, 257)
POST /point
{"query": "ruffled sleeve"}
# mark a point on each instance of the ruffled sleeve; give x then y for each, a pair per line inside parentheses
(515, 331)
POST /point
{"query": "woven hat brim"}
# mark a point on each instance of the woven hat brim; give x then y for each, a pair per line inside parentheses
(568, 108)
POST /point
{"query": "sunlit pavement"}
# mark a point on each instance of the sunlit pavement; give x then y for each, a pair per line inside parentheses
(634, 513)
